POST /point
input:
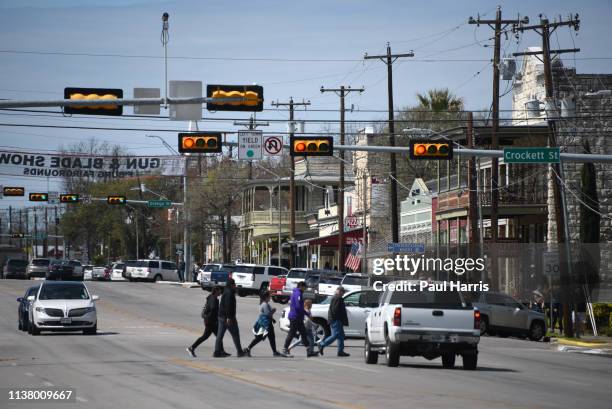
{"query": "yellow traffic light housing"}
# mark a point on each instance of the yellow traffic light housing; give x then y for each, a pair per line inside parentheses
(200, 142)
(252, 95)
(69, 198)
(39, 197)
(94, 94)
(311, 146)
(116, 200)
(13, 191)
(431, 150)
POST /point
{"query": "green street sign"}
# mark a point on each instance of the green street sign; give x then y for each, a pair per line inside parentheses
(531, 155)
(159, 203)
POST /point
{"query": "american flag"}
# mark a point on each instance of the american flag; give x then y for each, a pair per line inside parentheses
(353, 260)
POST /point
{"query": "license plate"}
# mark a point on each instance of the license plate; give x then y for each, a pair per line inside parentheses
(66, 320)
(221, 283)
(453, 338)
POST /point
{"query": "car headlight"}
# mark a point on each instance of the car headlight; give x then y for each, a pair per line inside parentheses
(40, 309)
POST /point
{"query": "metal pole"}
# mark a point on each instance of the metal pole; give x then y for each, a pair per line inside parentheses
(495, 145)
(279, 222)
(341, 188)
(481, 234)
(291, 190)
(363, 224)
(119, 101)
(137, 244)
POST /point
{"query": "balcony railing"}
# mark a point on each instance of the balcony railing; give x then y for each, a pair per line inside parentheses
(263, 217)
(517, 196)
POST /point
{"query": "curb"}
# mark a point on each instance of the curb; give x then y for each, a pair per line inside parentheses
(571, 342)
(607, 353)
(179, 284)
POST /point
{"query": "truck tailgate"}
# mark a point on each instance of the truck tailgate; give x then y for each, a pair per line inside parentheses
(438, 320)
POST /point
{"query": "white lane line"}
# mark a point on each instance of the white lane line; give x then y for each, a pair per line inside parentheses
(46, 383)
(80, 399)
(328, 362)
(29, 374)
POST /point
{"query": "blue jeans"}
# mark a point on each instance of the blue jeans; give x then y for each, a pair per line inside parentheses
(337, 333)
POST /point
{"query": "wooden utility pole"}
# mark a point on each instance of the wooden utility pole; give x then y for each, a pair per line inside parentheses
(498, 25)
(292, 201)
(474, 234)
(389, 59)
(341, 92)
(545, 28)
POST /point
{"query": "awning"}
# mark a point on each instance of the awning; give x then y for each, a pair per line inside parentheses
(350, 236)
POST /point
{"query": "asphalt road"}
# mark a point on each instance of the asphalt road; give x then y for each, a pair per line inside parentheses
(138, 360)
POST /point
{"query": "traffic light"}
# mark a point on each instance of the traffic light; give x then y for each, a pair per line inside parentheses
(199, 142)
(69, 198)
(39, 197)
(116, 200)
(311, 146)
(13, 191)
(17, 235)
(94, 93)
(252, 94)
(431, 149)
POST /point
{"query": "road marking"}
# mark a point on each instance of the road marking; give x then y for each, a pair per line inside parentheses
(80, 399)
(239, 376)
(328, 362)
(29, 374)
(47, 383)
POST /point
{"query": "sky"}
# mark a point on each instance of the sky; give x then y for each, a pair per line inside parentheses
(291, 48)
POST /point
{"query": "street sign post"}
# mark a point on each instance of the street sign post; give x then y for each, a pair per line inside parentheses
(531, 155)
(250, 145)
(159, 203)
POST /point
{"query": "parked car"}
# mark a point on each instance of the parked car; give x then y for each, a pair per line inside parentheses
(63, 306)
(328, 284)
(276, 289)
(152, 270)
(358, 306)
(256, 279)
(77, 269)
(61, 269)
(422, 323)
(204, 274)
(504, 315)
(38, 267)
(354, 282)
(24, 307)
(313, 279)
(15, 268)
(118, 270)
(87, 272)
(294, 276)
(101, 273)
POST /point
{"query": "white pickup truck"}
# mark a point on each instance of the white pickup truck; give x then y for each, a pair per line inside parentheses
(414, 322)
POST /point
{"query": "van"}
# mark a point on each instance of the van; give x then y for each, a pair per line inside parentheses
(254, 279)
(152, 270)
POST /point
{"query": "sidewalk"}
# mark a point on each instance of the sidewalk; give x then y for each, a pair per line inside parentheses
(600, 345)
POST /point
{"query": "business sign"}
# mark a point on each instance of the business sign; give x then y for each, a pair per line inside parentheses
(273, 145)
(531, 155)
(250, 145)
(351, 221)
(89, 166)
(406, 248)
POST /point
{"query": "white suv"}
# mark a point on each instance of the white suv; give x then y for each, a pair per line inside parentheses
(255, 279)
(152, 270)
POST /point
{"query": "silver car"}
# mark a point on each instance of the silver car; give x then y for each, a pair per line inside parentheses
(502, 314)
(38, 267)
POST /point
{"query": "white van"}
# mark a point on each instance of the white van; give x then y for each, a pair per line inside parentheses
(152, 270)
(252, 279)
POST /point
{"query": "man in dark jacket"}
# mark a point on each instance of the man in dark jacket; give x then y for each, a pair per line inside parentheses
(210, 315)
(227, 320)
(296, 319)
(338, 319)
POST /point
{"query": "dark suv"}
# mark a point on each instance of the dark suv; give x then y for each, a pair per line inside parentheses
(15, 268)
(60, 269)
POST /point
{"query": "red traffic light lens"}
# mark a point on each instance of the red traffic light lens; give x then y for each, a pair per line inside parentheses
(188, 143)
(300, 147)
(420, 149)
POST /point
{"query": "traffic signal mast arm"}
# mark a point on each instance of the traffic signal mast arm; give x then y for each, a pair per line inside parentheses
(118, 101)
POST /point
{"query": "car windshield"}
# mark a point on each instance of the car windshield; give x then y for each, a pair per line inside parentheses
(241, 269)
(312, 280)
(139, 263)
(354, 280)
(427, 299)
(330, 280)
(326, 300)
(40, 262)
(297, 273)
(210, 267)
(64, 291)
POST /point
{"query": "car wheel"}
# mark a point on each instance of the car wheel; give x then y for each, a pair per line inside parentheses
(392, 353)
(536, 331)
(242, 293)
(25, 325)
(284, 300)
(20, 325)
(34, 330)
(484, 325)
(91, 331)
(157, 278)
(276, 299)
(470, 361)
(371, 357)
(323, 330)
(448, 360)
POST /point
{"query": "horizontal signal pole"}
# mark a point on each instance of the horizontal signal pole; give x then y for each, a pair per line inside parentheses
(99, 199)
(118, 101)
(484, 153)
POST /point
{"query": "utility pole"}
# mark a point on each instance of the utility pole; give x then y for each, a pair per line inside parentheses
(473, 236)
(291, 104)
(545, 28)
(341, 92)
(35, 239)
(497, 25)
(56, 223)
(389, 59)
(45, 239)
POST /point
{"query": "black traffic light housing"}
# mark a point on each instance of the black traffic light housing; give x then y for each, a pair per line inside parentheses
(13, 191)
(94, 93)
(69, 198)
(431, 149)
(200, 142)
(17, 235)
(39, 197)
(311, 145)
(116, 200)
(253, 95)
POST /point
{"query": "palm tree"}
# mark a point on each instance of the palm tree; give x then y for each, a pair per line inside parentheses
(440, 100)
